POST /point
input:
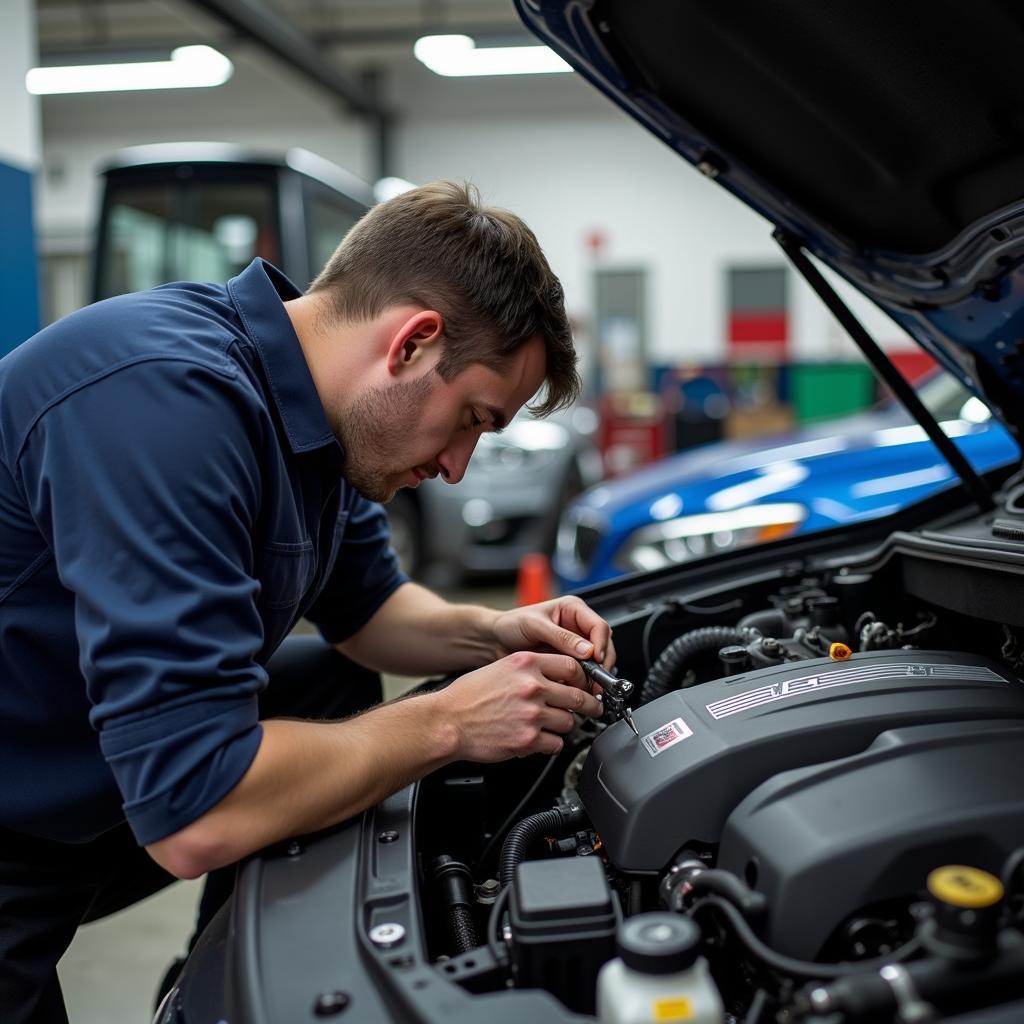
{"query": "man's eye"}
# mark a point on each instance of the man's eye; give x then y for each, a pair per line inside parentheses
(475, 421)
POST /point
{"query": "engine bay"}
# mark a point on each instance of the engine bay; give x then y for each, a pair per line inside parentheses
(818, 821)
(825, 780)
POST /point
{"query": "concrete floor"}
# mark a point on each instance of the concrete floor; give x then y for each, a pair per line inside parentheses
(111, 970)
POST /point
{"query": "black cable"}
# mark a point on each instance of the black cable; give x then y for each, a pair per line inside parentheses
(645, 642)
(801, 968)
(862, 620)
(1010, 868)
(732, 605)
(757, 1008)
(516, 811)
(1013, 488)
(1015, 479)
(1012, 502)
(559, 821)
(494, 922)
(923, 626)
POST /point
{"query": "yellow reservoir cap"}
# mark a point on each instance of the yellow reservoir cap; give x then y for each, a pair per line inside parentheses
(962, 886)
(839, 652)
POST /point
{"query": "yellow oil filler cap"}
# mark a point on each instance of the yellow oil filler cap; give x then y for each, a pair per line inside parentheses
(964, 921)
(839, 652)
(965, 887)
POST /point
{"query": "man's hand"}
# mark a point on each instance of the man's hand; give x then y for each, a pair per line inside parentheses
(564, 625)
(517, 706)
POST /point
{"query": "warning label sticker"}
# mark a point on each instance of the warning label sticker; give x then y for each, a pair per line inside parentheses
(666, 736)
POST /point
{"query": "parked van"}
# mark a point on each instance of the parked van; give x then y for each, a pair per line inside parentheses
(204, 211)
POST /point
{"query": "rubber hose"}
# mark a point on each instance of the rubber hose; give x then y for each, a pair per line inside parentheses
(770, 622)
(667, 672)
(454, 886)
(749, 902)
(523, 834)
(461, 929)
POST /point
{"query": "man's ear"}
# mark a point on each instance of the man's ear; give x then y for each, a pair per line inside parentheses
(416, 340)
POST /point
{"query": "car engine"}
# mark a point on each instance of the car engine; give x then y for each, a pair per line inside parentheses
(829, 792)
(819, 818)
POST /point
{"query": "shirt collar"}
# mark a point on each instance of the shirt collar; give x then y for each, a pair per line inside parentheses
(258, 294)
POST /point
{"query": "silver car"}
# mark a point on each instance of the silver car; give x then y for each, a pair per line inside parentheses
(505, 506)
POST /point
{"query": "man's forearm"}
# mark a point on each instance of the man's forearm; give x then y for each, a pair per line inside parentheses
(415, 632)
(310, 775)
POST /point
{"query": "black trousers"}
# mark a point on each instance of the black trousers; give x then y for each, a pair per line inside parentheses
(47, 889)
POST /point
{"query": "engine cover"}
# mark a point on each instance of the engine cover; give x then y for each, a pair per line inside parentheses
(702, 750)
(824, 842)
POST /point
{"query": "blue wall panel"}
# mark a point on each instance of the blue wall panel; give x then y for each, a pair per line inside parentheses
(19, 266)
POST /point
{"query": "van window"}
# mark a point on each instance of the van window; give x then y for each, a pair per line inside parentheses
(328, 223)
(185, 230)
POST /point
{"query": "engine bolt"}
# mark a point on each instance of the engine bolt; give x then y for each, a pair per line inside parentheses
(821, 1000)
(329, 1003)
(487, 891)
(294, 849)
(388, 836)
(387, 935)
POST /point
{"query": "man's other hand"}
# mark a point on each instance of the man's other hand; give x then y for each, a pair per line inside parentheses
(519, 705)
(565, 625)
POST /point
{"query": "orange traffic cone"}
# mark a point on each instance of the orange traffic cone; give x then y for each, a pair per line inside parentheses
(533, 583)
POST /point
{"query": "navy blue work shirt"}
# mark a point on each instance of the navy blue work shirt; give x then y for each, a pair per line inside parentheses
(171, 502)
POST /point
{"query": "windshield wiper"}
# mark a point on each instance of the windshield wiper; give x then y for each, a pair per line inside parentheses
(884, 368)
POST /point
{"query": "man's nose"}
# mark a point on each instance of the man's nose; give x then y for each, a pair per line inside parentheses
(455, 458)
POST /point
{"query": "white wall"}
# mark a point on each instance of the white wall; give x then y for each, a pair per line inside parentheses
(550, 148)
(606, 173)
(19, 140)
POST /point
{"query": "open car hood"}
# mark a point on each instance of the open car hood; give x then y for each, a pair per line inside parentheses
(886, 139)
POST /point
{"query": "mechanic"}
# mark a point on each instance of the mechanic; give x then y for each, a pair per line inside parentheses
(185, 472)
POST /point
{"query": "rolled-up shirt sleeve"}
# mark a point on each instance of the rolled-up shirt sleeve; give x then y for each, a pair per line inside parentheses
(365, 573)
(146, 483)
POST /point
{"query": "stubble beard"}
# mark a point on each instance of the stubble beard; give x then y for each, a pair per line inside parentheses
(375, 432)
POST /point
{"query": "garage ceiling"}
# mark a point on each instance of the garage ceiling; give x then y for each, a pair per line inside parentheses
(356, 54)
(343, 38)
(373, 27)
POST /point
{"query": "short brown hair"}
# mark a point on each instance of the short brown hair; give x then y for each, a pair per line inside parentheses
(480, 267)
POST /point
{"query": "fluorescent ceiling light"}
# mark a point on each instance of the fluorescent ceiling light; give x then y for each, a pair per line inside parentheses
(456, 56)
(387, 188)
(190, 67)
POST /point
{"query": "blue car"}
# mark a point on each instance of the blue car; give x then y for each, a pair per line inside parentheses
(734, 493)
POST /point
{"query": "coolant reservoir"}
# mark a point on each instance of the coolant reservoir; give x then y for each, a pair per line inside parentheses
(658, 976)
